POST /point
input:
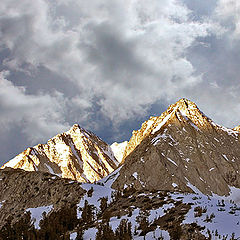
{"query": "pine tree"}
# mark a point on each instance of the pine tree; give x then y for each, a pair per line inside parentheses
(87, 213)
(105, 232)
(103, 204)
(124, 230)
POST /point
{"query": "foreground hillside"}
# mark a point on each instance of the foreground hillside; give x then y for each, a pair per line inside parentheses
(55, 208)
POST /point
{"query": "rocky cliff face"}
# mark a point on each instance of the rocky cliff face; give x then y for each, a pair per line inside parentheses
(76, 154)
(21, 190)
(182, 150)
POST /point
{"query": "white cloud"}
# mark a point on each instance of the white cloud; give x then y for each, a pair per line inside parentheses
(128, 54)
(36, 115)
(228, 13)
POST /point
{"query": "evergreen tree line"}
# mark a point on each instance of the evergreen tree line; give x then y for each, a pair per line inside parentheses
(57, 224)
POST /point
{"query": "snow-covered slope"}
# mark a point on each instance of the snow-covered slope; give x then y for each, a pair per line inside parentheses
(77, 154)
(180, 150)
(56, 206)
(119, 149)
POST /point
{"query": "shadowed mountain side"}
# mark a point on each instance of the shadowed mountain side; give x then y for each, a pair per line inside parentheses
(21, 190)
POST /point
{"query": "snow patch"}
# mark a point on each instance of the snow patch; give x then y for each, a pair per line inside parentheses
(224, 220)
(1, 203)
(119, 149)
(195, 189)
(73, 236)
(149, 124)
(98, 193)
(36, 214)
(90, 233)
(108, 180)
(225, 157)
(49, 169)
(74, 151)
(234, 195)
(135, 175)
(169, 159)
(193, 125)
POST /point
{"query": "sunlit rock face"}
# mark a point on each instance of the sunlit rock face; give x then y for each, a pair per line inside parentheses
(237, 128)
(76, 154)
(182, 150)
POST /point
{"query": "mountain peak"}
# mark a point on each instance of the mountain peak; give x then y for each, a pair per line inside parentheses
(187, 109)
(181, 111)
(77, 154)
(184, 103)
(182, 149)
(75, 126)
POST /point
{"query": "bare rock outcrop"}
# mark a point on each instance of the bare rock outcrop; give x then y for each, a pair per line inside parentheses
(21, 190)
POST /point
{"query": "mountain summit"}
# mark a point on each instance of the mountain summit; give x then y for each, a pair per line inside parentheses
(77, 154)
(182, 150)
(183, 108)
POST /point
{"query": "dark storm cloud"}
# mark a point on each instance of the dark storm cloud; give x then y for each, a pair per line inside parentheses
(109, 65)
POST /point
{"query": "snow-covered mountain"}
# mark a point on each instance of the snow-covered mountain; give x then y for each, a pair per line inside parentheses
(76, 154)
(119, 150)
(182, 150)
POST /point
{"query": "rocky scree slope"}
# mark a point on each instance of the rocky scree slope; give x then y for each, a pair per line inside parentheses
(182, 150)
(76, 154)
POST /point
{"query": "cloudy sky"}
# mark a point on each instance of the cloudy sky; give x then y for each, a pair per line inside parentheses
(109, 65)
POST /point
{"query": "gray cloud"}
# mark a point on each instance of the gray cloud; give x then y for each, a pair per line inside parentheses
(109, 65)
(38, 114)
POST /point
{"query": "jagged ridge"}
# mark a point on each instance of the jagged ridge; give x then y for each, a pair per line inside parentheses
(76, 154)
(182, 150)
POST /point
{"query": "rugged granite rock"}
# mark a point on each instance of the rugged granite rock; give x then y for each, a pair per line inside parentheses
(77, 154)
(21, 190)
(237, 128)
(182, 150)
